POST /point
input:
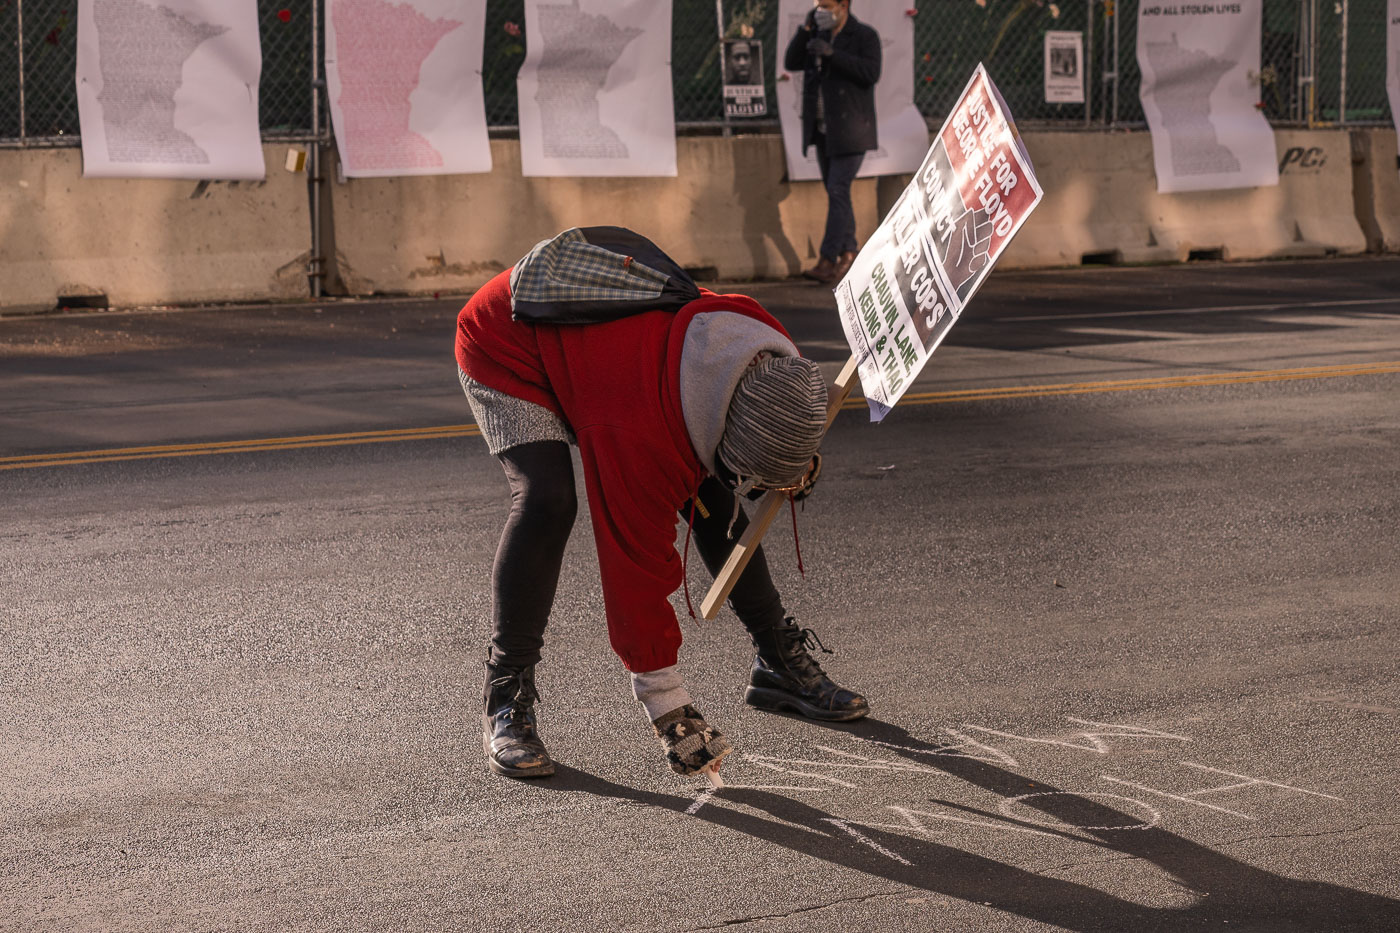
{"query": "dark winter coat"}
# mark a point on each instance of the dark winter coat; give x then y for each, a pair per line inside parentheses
(846, 80)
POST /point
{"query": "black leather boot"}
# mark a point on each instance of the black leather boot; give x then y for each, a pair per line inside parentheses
(508, 735)
(786, 677)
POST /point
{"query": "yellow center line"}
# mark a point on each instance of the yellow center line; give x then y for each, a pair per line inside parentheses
(305, 441)
(1129, 385)
(236, 447)
(261, 443)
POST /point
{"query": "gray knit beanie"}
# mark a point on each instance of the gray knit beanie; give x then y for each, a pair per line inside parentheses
(775, 422)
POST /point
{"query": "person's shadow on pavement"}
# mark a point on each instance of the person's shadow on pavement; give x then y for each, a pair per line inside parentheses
(1232, 892)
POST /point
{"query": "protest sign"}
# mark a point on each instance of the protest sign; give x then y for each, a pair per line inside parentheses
(1392, 69)
(1200, 95)
(594, 91)
(911, 281)
(1064, 67)
(405, 86)
(169, 91)
(744, 95)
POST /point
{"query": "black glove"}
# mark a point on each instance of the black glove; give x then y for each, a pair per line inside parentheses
(819, 48)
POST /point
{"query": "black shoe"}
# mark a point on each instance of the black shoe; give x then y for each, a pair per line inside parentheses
(843, 265)
(786, 677)
(824, 271)
(513, 747)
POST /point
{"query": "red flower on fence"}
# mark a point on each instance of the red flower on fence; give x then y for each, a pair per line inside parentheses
(512, 28)
(284, 15)
(52, 36)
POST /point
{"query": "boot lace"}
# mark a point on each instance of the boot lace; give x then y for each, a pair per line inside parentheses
(526, 694)
(803, 641)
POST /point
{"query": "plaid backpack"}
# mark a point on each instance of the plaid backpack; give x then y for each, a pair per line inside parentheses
(587, 275)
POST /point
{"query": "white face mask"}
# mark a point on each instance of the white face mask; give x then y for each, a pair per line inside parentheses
(824, 18)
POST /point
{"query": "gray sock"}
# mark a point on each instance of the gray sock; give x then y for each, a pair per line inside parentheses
(661, 691)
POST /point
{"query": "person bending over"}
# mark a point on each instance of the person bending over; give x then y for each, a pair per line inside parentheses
(677, 399)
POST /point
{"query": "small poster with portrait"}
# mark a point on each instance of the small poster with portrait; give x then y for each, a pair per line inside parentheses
(1064, 67)
(743, 79)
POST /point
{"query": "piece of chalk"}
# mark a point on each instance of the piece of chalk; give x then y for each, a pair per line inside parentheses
(712, 774)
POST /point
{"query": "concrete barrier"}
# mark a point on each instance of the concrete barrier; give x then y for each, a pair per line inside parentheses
(730, 212)
(729, 209)
(1101, 203)
(1377, 192)
(140, 242)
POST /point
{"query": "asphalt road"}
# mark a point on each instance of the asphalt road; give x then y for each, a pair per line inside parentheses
(1120, 579)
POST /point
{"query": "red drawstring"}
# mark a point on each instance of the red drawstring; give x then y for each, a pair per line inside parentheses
(792, 505)
(685, 557)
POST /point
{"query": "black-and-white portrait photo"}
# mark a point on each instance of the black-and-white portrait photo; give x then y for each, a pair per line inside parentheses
(743, 78)
(743, 61)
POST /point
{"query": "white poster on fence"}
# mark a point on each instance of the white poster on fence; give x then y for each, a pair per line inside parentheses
(404, 83)
(911, 281)
(743, 90)
(1200, 92)
(902, 131)
(595, 89)
(1064, 67)
(1392, 63)
(169, 88)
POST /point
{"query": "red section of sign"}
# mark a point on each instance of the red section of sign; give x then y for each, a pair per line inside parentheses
(986, 163)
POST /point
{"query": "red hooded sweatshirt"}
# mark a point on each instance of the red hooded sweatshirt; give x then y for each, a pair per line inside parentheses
(617, 386)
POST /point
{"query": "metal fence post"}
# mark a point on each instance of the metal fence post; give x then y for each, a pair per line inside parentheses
(1117, 61)
(1089, 67)
(1305, 110)
(1110, 54)
(19, 21)
(316, 265)
(1312, 67)
(719, 18)
(1105, 68)
(1342, 94)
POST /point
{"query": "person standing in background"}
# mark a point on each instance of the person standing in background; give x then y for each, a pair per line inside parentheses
(839, 57)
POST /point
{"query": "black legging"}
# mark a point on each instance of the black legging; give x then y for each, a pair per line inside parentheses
(754, 599)
(543, 505)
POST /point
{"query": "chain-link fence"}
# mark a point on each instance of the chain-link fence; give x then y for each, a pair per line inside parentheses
(1322, 61)
(290, 32)
(39, 54)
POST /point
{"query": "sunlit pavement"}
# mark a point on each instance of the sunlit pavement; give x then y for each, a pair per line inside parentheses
(1119, 578)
